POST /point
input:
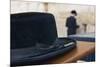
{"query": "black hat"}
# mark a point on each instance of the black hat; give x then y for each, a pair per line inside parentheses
(73, 12)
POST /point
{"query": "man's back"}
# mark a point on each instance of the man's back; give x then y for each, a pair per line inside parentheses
(71, 22)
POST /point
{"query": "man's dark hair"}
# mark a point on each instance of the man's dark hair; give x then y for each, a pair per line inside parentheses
(74, 12)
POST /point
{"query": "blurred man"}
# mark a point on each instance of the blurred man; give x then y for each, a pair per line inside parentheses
(71, 23)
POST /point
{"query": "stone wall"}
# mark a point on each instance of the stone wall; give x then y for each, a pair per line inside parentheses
(86, 14)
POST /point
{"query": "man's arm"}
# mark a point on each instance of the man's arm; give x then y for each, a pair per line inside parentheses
(66, 22)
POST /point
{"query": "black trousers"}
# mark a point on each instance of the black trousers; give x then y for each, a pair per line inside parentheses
(71, 31)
